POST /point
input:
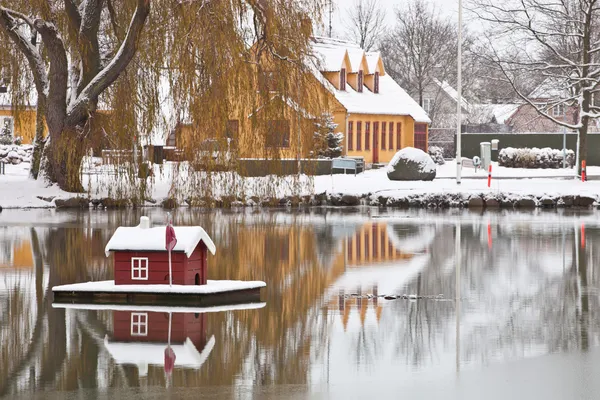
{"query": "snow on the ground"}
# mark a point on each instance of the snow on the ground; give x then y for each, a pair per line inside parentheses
(17, 190)
(209, 288)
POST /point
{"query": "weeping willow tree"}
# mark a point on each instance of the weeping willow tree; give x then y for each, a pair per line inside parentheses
(108, 72)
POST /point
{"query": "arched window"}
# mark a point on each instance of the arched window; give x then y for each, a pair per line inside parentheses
(376, 83)
(343, 79)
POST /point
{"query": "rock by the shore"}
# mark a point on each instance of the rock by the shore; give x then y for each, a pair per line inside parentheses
(410, 164)
(73, 202)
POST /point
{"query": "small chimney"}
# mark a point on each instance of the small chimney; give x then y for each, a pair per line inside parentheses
(144, 222)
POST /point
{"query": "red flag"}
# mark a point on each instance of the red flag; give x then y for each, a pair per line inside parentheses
(171, 240)
(169, 360)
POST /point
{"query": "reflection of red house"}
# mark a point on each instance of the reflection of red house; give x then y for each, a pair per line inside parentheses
(141, 257)
(141, 337)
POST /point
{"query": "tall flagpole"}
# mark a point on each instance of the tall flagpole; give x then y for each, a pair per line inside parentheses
(459, 100)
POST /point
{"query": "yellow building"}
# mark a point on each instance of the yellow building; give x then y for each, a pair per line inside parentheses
(21, 124)
(376, 115)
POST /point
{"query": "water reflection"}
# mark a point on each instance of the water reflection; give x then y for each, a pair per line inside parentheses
(528, 287)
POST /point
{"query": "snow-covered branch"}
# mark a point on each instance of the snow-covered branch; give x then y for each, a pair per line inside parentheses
(103, 79)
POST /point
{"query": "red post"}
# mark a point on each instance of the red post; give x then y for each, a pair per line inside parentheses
(490, 175)
(583, 177)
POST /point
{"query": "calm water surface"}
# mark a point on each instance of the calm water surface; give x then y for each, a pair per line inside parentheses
(518, 317)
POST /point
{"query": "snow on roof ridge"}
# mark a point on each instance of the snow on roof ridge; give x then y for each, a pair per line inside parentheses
(138, 238)
(335, 41)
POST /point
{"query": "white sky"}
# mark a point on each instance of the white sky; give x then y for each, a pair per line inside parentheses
(448, 8)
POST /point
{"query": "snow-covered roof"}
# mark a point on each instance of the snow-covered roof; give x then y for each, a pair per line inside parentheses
(144, 354)
(551, 88)
(330, 53)
(372, 60)
(144, 238)
(453, 93)
(391, 99)
(484, 113)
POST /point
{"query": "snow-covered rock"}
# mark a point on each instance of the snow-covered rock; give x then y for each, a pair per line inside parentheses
(437, 154)
(410, 164)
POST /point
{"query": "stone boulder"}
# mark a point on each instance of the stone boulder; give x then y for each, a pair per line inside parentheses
(410, 164)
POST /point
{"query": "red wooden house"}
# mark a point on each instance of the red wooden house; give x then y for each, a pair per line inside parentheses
(140, 338)
(140, 255)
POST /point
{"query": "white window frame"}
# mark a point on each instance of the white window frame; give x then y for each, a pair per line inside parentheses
(136, 266)
(141, 326)
(427, 103)
(558, 110)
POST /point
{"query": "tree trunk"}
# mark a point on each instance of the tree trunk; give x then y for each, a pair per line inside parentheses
(38, 142)
(582, 144)
(63, 156)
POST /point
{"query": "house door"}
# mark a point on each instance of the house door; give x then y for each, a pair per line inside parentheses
(375, 142)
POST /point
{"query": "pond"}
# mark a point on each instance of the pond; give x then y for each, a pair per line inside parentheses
(358, 303)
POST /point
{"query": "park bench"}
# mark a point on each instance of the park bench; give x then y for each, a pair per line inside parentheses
(343, 165)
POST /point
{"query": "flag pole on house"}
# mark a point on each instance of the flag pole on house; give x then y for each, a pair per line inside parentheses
(171, 241)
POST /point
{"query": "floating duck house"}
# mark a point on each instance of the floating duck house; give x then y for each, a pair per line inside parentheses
(140, 256)
(141, 270)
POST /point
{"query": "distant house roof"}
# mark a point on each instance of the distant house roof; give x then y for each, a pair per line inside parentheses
(453, 93)
(551, 88)
(485, 113)
(141, 238)
(144, 354)
(391, 99)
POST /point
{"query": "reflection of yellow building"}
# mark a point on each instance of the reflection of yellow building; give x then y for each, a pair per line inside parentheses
(372, 245)
(17, 254)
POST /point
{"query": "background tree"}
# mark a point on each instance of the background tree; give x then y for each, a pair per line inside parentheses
(365, 23)
(328, 142)
(556, 41)
(88, 55)
(420, 47)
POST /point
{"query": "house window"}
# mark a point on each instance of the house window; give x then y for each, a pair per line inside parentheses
(376, 84)
(359, 135)
(421, 136)
(375, 135)
(383, 126)
(350, 135)
(427, 104)
(278, 134)
(391, 136)
(360, 81)
(398, 135)
(343, 79)
(139, 268)
(367, 136)
(139, 324)
(232, 129)
(558, 110)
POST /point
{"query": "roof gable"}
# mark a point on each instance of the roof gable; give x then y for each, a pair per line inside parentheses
(139, 238)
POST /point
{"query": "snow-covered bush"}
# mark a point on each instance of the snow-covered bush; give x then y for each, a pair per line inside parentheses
(534, 158)
(328, 143)
(437, 154)
(13, 154)
(410, 164)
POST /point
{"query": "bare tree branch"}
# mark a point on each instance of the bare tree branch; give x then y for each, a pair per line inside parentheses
(365, 23)
(86, 99)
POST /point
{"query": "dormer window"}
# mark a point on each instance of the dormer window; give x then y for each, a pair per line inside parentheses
(360, 81)
(343, 79)
(376, 83)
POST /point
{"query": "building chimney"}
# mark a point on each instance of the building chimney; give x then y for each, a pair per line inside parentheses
(144, 222)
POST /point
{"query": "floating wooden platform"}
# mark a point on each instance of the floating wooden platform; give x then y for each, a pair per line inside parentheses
(211, 294)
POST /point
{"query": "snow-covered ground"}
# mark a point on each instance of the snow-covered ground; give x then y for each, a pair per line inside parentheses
(18, 191)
